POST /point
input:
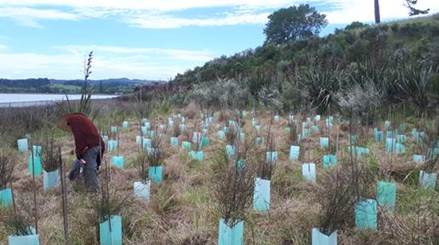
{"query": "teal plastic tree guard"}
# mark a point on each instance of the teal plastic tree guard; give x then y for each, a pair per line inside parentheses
(387, 125)
(258, 140)
(230, 150)
(329, 160)
(427, 180)
(197, 155)
(319, 238)
(204, 141)
(5, 197)
(147, 125)
(392, 145)
(353, 139)
(144, 130)
(366, 214)
(151, 134)
(271, 156)
(186, 145)
(124, 124)
(174, 141)
(389, 134)
(242, 136)
(231, 235)
(324, 142)
(22, 145)
(112, 145)
(359, 151)
(386, 195)
(317, 118)
(258, 128)
(32, 239)
(221, 135)
(118, 161)
(400, 138)
(156, 174)
(147, 143)
(111, 235)
(142, 190)
(418, 158)
(240, 164)
(309, 172)
(113, 129)
(276, 118)
(261, 195)
(226, 129)
(294, 152)
(378, 135)
(38, 168)
(315, 129)
(196, 136)
(50, 179)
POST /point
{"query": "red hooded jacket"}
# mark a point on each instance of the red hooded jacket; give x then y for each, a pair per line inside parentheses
(85, 133)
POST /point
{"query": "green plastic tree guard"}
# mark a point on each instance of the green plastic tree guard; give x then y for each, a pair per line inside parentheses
(156, 174)
(186, 145)
(38, 167)
(329, 160)
(230, 150)
(231, 235)
(118, 161)
(366, 214)
(197, 155)
(386, 195)
(111, 235)
(5, 197)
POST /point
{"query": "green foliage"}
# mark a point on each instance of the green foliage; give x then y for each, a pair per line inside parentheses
(294, 23)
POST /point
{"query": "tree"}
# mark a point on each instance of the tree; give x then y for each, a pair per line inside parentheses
(294, 23)
(414, 11)
(410, 4)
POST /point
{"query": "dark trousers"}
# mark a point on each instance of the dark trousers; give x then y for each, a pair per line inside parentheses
(90, 172)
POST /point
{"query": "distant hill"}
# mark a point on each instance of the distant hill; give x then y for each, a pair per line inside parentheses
(45, 85)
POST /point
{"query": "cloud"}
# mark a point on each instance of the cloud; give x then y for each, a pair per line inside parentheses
(30, 16)
(168, 21)
(109, 61)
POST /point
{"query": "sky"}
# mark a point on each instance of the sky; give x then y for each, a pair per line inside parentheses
(149, 39)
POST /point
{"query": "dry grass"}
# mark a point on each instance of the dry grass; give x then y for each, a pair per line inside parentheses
(185, 207)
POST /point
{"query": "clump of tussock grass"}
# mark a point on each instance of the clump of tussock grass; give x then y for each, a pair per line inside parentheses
(17, 224)
(232, 187)
(50, 154)
(7, 164)
(156, 156)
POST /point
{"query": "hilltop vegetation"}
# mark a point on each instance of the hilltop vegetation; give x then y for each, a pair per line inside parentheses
(398, 60)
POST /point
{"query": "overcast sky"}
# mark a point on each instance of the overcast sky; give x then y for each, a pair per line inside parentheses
(148, 39)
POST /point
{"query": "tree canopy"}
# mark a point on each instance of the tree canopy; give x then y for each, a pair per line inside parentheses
(294, 23)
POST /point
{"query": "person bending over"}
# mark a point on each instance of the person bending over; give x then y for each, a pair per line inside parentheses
(89, 148)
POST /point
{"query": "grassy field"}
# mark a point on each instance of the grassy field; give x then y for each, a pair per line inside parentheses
(184, 208)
